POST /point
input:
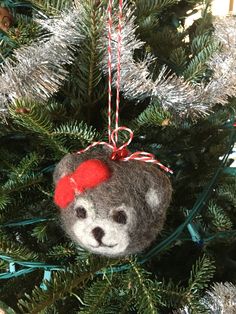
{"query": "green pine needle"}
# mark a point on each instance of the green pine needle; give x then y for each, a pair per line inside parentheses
(153, 115)
(32, 117)
(16, 250)
(83, 86)
(74, 130)
(4, 200)
(169, 294)
(25, 166)
(52, 7)
(62, 284)
(59, 251)
(145, 7)
(22, 183)
(197, 65)
(200, 276)
(97, 296)
(228, 192)
(218, 217)
(143, 287)
(40, 232)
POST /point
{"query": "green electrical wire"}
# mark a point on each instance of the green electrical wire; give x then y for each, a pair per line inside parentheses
(199, 204)
(24, 222)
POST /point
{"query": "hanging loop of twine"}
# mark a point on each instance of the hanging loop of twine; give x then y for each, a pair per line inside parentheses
(119, 152)
(122, 154)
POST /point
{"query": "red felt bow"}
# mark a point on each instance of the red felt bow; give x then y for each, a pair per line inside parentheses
(87, 175)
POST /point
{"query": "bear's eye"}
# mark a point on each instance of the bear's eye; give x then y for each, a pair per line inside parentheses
(81, 212)
(120, 217)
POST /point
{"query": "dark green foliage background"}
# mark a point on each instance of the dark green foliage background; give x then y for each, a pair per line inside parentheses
(34, 136)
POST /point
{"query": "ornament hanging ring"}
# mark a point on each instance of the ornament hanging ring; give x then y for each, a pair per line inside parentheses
(114, 135)
(119, 153)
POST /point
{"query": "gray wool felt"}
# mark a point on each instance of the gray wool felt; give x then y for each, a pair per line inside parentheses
(137, 190)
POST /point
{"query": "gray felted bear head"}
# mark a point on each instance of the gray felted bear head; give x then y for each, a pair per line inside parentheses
(112, 208)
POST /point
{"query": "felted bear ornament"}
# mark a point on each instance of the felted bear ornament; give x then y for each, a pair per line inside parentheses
(112, 208)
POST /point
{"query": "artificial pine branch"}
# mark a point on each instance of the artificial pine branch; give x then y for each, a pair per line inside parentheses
(178, 59)
(84, 88)
(52, 7)
(145, 298)
(120, 298)
(227, 191)
(4, 201)
(96, 296)
(169, 294)
(22, 183)
(23, 31)
(61, 285)
(198, 64)
(153, 115)
(200, 276)
(34, 74)
(218, 217)
(15, 250)
(3, 265)
(78, 131)
(35, 119)
(25, 166)
(40, 232)
(57, 111)
(199, 42)
(174, 296)
(62, 252)
(148, 7)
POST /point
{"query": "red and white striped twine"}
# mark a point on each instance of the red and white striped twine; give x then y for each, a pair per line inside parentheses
(119, 153)
(109, 67)
(118, 66)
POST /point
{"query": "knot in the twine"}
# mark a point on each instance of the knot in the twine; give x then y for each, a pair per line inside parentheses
(121, 153)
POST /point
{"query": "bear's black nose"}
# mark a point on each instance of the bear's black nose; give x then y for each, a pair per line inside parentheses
(98, 234)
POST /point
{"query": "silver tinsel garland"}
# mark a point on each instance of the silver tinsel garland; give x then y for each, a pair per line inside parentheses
(136, 79)
(223, 64)
(220, 299)
(173, 92)
(39, 71)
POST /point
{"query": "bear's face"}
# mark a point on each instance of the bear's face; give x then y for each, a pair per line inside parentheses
(105, 231)
(123, 214)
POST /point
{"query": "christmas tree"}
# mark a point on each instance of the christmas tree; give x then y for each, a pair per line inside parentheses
(177, 94)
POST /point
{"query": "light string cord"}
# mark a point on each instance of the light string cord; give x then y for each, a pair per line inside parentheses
(198, 205)
(30, 266)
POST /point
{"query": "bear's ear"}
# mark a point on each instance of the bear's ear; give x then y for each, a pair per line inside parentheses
(158, 195)
(67, 165)
(153, 198)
